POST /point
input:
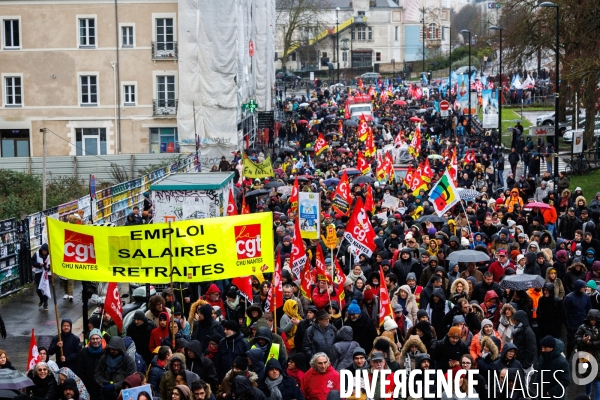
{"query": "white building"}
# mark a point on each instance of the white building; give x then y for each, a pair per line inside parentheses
(380, 35)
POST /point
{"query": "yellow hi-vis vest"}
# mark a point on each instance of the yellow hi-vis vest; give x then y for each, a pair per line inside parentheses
(273, 351)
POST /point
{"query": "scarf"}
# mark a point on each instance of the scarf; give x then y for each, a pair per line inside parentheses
(92, 350)
(274, 387)
(113, 362)
(233, 304)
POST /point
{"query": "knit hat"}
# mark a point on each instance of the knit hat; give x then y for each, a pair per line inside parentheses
(509, 271)
(231, 325)
(232, 293)
(359, 351)
(486, 322)
(241, 363)
(382, 345)
(185, 391)
(421, 314)
(411, 275)
(458, 319)
(464, 241)
(389, 324)
(95, 331)
(353, 308)
(592, 284)
(472, 280)
(368, 295)
(287, 239)
(454, 332)
(139, 315)
(548, 341)
(520, 257)
(215, 338)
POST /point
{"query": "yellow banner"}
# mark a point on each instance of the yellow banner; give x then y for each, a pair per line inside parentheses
(200, 250)
(261, 170)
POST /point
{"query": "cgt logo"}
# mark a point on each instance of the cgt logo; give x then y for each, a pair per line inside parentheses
(247, 241)
(79, 248)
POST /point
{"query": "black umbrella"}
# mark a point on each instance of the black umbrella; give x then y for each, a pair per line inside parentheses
(350, 122)
(287, 149)
(431, 218)
(274, 184)
(363, 179)
(12, 379)
(308, 149)
(256, 192)
(522, 282)
(468, 256)
(386, 119)
(302, 179)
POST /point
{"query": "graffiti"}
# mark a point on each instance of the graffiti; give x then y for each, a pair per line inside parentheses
(178, 196)
(218, 141)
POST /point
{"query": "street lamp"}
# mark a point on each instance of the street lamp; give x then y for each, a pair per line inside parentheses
(337, 42)
(424, 36)
(548, 4)
(464, 31)
(449, 59)
(501, 93)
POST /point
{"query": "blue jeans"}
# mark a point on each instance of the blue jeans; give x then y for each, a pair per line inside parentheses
(501, 178)
(551, 228)
(549, 166)
(596, 386)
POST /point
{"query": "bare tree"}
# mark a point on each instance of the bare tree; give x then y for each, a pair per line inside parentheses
(294, 17)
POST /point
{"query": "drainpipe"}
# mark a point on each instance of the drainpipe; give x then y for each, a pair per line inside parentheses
(117, 118)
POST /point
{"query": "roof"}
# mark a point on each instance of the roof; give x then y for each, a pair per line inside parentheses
(194, 181)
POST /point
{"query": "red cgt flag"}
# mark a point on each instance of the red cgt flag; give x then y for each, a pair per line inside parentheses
(244, 284)
(34, 357)
(231, 207)
(113, 305)
(385, 306)
(245, 206)
(306, 280)
(294, 196)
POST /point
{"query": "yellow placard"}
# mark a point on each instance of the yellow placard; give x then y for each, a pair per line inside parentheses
(260, 170)
(198, 250)
(330, 239)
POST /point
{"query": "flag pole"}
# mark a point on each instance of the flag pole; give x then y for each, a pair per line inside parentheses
(172, 321)
(54, 292)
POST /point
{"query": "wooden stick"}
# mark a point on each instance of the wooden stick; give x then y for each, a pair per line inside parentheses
(58, 327)
(172, 322)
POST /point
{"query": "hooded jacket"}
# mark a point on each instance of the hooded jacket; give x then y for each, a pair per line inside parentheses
(141, 337)
(200, 365)
(364, 331)
(107, 375)
(37, 260)
(227, 382)
(437, 311)
(264, 331)
(71, 347)
(167, 382)
(407, 356)
(213, 288)
(577, 305)
(554, 361)
(486, 363)
(288, 387)
(502, 362)
(203, 330)
(158, 334)
(229, 348)
(550, 313)
(409, 305)
(524, 339)
(245, 390)
(342, 352)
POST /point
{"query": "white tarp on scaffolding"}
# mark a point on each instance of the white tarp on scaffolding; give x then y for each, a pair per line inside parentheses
(217, 74)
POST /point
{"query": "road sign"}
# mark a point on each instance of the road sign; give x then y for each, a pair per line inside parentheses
(544, 130)
(266, 119)
(92, 186)
(444, 108)
(494, 5)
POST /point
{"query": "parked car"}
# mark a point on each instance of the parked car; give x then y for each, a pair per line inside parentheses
(288, 76)
(464, 70)
(568, 136)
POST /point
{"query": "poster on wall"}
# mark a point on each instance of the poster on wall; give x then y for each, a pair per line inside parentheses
(309, 207)
(489, 103)
(577, 142)
(463, 92)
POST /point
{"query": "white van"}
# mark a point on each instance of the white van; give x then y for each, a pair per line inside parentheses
(358, 109)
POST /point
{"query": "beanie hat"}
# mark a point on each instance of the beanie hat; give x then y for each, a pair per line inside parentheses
(353, 308)
(454, 332)
(231, 325)
(548, 341)
(232, 293)
(421, 314)
(368, 295)
(464, 241)
(241, 363)
(509, 271)
(411, 275)
(95, 331)
(472, 280)
(359, 351)
(382, 345)
(520, 257)
(185, 391)
(389, 324)
(458, 319)
(592, 284)
(215, 338)
(139, 315)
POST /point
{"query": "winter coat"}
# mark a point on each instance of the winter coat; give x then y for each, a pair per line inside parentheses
(316, 386)
(167, 381)
(245, 390)
(262, 329)
(577, 306)
(227, 382)
(288, 387)
(477, 343)
(556, 384)
(203, 330)
(550, 313)
(437, 311)
(593, 347)
(524, 339)
(158, 334)
(200, 365)
(86, 371)
(229, 348)
(409, 306)
(155, 374)
(125, 368)
(71, 347)
(44, 389)
(502, 362)
(455, 296)
(342, 352)
(141, 338)
(407, 357)
(364, 331)
(443, 352)
(392, 357)
(486, 363)
(319, 339)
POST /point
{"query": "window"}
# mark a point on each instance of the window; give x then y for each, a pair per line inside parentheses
(89, 90)
(370, 33)
(87, 32)
(344, 56)
(396, 33)
(127, 36)
(377, 56)
(324, 54)
(433, 32)
(164, 34)
(165, 88)
(90, 141)
(15, 142)
(129, 95)
(362, 35)
(293, 55)
(361, 13)
(163, 140)
(11, 34)
(12, 91)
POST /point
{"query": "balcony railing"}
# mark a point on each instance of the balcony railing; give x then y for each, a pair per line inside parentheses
(164, 108)
(164, 50)
(362, 64)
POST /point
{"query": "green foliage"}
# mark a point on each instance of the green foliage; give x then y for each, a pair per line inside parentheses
(21, 194)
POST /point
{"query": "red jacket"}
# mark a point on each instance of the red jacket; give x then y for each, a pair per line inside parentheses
(158, 334)
(215, 289)
(316, 386)
(496, 269)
